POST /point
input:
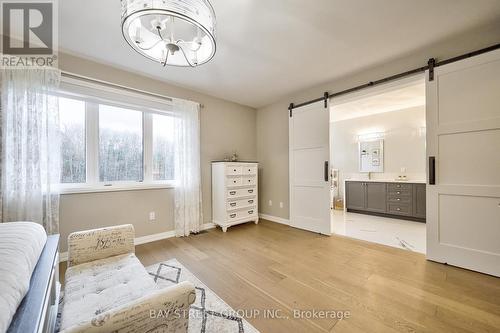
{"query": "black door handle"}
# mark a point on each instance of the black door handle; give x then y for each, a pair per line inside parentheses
(326, 171)
(432, 170)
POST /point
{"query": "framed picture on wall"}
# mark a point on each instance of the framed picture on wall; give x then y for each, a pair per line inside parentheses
(371, 156)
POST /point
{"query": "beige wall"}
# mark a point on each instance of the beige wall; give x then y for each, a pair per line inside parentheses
(96, 210)
(272, 148)
(225, 127)
(404, 144)
(272, 120)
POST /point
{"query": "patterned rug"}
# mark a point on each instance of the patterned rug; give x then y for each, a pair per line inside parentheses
(209, 313)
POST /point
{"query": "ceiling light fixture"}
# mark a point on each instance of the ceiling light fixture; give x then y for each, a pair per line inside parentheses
(171, 32)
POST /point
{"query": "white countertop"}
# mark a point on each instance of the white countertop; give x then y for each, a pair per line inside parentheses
(409, 181)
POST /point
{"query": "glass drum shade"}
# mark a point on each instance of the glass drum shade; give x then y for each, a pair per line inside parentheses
(171, 32)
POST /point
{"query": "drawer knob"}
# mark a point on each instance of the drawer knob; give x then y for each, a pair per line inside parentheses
(250, 212)
(234, 170)
(398, 199)
(232, 204)
(250, 201)
(398, 192)
(232, 193)
(232, 216)
(398, 208)
(250, 191)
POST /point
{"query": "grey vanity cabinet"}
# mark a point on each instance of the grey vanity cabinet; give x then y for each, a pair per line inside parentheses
(366, 196)
(355, 195)
(419, 200)
(392, 199)
(375, 197)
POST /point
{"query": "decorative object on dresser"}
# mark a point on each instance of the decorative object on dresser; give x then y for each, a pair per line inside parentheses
(391, 199)
(107, 289)
(234, 193)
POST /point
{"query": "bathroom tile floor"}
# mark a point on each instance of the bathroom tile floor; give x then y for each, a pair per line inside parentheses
(403, 234)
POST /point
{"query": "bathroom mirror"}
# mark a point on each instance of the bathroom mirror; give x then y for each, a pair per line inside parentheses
(371, 156)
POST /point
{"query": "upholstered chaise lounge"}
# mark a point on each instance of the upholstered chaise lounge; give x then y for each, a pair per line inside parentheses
(107, 289)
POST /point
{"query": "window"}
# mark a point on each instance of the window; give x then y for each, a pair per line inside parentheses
(120, 144)
(72, 124)
(114, 140)
(163, 147)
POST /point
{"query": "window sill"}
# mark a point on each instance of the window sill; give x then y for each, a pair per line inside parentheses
(114, 188)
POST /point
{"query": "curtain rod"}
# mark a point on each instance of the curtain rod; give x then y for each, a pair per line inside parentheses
(117, 86)
(112, 85)
(431, 64)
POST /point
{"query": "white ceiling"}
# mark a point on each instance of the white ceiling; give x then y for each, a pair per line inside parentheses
(397, 98)
(267, 49)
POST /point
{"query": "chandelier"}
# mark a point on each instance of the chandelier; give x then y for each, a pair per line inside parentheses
(171, 32)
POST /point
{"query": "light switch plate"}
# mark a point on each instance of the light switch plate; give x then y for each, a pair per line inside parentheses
(152, 216)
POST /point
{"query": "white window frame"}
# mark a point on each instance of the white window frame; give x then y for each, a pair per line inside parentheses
(79, 89)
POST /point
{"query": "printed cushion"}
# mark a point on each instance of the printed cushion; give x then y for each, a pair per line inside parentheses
(98, 286)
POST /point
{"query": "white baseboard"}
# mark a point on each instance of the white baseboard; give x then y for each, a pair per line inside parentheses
(274, 219)
(207, 225)
(154, 237)
(63, 256)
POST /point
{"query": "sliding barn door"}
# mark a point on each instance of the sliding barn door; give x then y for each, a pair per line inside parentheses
(463, 148)
(309, 155)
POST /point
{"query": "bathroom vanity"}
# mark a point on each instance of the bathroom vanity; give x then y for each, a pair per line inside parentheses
(396, 199)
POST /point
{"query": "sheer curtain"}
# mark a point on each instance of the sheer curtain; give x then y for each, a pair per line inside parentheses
(30, 151)
(188, 213)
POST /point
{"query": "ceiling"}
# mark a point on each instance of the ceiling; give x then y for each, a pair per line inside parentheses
(268, 49)
(393, 99)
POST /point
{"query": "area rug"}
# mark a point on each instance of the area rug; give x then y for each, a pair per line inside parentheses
(209, 313)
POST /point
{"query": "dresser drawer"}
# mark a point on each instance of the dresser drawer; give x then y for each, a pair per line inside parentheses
(241, 214)
(399, 208)
(396, 187)
(241, 192)
(238, 204)
(399, 194)
(249, 170)
(407, 199)
(234, 170)
(250, 180)
(234, 181)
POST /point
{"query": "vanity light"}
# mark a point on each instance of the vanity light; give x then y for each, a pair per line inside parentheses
(370, 136)
(171, 32)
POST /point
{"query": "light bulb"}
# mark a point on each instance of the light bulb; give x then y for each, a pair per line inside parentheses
(137, 37)
(196, 44)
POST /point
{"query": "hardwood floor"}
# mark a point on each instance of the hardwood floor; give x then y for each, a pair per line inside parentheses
(272, 266)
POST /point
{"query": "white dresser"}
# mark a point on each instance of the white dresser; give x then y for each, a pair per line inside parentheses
(234, 193)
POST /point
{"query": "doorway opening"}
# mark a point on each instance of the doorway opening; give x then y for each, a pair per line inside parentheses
(378, 160)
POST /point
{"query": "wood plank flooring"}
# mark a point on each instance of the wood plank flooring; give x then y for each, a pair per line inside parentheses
(274, 267)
